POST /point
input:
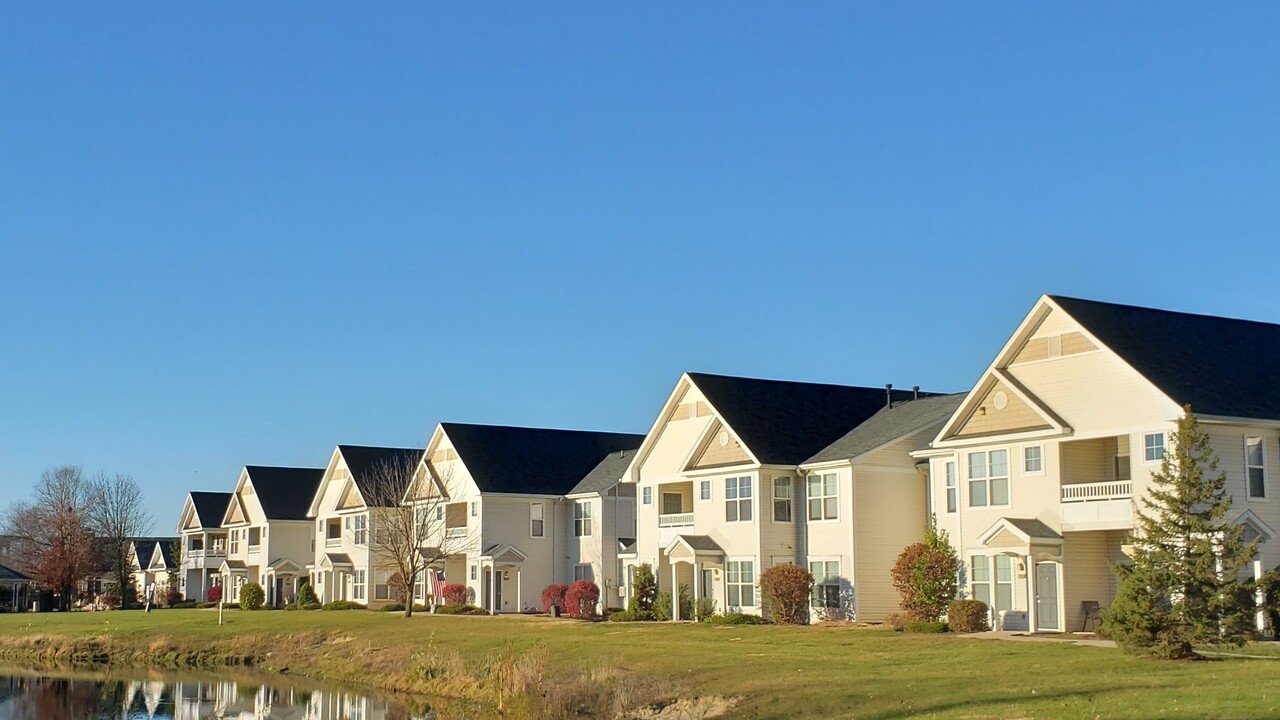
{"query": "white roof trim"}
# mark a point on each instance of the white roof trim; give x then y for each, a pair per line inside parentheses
(1251, 518)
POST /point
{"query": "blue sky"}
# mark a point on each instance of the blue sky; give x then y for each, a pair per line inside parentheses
(244, 233)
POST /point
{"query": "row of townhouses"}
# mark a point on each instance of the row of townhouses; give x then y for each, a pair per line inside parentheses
(1035, 473)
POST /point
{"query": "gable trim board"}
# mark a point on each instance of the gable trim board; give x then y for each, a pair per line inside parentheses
(1018, 399)
(732, 453)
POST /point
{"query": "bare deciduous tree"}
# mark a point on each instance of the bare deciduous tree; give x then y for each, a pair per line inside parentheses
(412, 527)
(117, 515)
(55, 538)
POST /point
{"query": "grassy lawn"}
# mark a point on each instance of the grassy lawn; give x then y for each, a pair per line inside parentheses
(779, 672)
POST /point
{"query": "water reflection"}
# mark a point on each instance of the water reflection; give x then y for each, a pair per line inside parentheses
(85, 697)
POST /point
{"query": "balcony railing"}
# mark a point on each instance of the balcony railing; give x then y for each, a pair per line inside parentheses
(455, 532)
(675, 520)
(1097, 492)
(333, 542)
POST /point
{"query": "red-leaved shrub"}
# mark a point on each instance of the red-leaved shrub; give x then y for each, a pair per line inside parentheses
(580, 600)
(925, 576)
(213, 594)
(455, 594)
(553, 596)
(786, 590)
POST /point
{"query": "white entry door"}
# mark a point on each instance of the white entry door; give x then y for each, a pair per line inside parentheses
(1047, 597)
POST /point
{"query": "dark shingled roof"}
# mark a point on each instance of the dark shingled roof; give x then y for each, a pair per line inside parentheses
(1034, 528)
(606, 474)
(285, 493)
(210, 506)
(1220, 366)
(366, 462)
(889, 424)
(142, 549)
(701, 543)
(10, 575)
(785, 423)
(533, 461)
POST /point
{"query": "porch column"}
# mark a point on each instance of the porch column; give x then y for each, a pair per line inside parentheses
(697, 587)
(519, 597)
(493, 589)
(675, 592)
(1029, 564)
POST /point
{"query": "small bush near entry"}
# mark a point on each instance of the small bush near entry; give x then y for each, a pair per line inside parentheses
(896, 620)
(307, 599)
(736, 619)
(205, 605)
(925, 626)
(251, 596)
(184, 604)
(662, 605)
(213, 594)
(455, 594)
(644, 591)
(553, 596)
(461, 609)
(580, 600)
(392, 607)
(173, 598)
(925, 575)
(786, 590)
(967, 616)
(342, 605)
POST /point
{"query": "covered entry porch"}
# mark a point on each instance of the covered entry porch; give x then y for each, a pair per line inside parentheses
(500, 576)
(281, 581)
(695, 561)
(1019, 575)
(331, 578)
(234, 574)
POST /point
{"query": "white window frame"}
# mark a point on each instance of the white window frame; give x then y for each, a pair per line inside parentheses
(789, 499)
(827, 499)
(475, 508)
(1164, 447)
(234, 537)
(987, 478)
(822, 598)
(382, 585)
(582, 525)
(360, 529)
(733, 582)
(358, 579)
(981, 562)
(474, 572)
(583, 571)
(1039, 460)
(997, 584)
(1249, 468)
(951, 487)
(734, 500)
(646, 494)
(705, 493)
(537, 520)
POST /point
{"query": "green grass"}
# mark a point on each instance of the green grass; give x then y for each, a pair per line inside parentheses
(779, 672)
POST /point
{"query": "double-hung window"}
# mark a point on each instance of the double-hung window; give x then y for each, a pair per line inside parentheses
(1033, 459)
(989, 478)
(737, 499)
(357, 585)
(536, 519)
(382, 586)
(953, 490)
(1255, 465)
(582, 518)
(646, 495)
(1004, 583)
(980, 578)
(583, 571)
(1153, 447)
(826, 583)
(782, 499)
(704, 491)
(360, 530)
(740, 582)
(235, 541)
(824, 503)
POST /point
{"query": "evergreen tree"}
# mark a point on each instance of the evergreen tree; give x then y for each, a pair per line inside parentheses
(644, 592)
(1184, 586)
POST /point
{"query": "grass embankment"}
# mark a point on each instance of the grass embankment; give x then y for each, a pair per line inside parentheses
(776, 672)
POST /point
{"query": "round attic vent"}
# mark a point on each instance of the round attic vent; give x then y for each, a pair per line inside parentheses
(1000, 400)
(723, 438)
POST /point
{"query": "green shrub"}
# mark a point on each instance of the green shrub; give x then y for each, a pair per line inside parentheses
(736, 618)
(786, 590)
(392, 607)
(184, 604)
(925, 626)
(342, 605)
(307, 599)
(628, 616)
(967, 616)
(662, 605)
(644, 590)
(925, 575)
(252, 596)
(205, 605)
(459, 610)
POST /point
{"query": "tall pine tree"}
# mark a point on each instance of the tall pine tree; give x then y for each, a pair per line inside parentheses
(1184, 587)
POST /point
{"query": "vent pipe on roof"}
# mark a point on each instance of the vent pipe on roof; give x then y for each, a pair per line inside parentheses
(915, 392)
(888, 395)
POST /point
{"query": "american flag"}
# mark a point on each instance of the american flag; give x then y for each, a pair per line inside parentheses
(435, 585)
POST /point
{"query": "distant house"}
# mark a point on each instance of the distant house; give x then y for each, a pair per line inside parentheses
(1038, 473)
(204, 542)
(150, 574)
(15, 590)
(269, 536)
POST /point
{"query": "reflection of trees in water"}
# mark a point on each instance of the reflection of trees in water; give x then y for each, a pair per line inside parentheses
(47, 698)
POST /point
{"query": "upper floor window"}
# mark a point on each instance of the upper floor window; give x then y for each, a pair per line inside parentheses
(536, 519)
(782, 499)
(333, 529)
(953, 490)
(1033, 459)
(475, 508)
(824, 501)
(255, 537)
(359, 529)
(647, 495)
(235, 541)
(1255, 465)
(737, 499)
(582, 518)
(197, 544)
(989, 478)
(704, 491)
(1153, 447)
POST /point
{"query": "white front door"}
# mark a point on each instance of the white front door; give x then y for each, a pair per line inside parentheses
(1047, 597)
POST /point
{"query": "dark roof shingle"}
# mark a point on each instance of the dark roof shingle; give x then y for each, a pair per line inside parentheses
(606, 474)
(371, 466)
(285, 493)
(1220, 366)
(889, 424)
(785, 423)
(533, 461)
(210, 506)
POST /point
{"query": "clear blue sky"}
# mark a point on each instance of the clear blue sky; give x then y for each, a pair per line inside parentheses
(244, 233)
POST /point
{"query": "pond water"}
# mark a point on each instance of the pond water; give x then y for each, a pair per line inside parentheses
(45, 695)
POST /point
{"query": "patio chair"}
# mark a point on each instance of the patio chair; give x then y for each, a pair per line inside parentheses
(1091, 610)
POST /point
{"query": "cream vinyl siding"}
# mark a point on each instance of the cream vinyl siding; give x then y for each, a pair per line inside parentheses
(889, 506)
(713, 454)
(988, 418)
(1228, 444)
(777, 539)
(506, 521)
(1086, 573)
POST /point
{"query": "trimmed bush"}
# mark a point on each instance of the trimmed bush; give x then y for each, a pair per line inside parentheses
(925, 575)
(455, 594)
(205, 605)
(392, 607)
(183, 604)
(786, 590)
(662, 605)
(628, 616)
(252, 596)
(580, 600)
(307, 599)
(967, 616)
(553, 596)
(925, 626)
(342, 605)
(173, 598)
(460, 609)
(644, 591)
(736, 618)
(213, 594)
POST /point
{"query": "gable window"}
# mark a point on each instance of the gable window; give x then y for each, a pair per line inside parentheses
(704, 491)
(824, 500)
(536, 517)
(782, 499)
(360, 529)
(740, 583)
(953, 490)
(255, 538)
(583, 571)
(737, 499)
(647, 495)
(989, 478)
(1033, 459)
(1255, 467)
(826, 583)
(980, 578)
(357, 585)
(1153, 447)
(582, 518)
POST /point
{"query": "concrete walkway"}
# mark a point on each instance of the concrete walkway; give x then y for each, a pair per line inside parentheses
(1082, 639)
